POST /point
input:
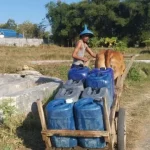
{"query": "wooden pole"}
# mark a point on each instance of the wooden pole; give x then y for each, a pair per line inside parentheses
(107, 123)
(76, 133)
(43, 123)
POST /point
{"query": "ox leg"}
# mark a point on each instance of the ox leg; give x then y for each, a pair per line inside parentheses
(100, 61)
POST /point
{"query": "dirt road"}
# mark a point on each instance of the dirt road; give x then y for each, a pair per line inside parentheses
(136, 100)
(43, 62)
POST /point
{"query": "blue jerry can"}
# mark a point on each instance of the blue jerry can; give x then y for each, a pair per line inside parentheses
(71, 95)
(98, 95)
(79, 73)
(60, 116)
(89, 116)
(99, 78)
(74, 83)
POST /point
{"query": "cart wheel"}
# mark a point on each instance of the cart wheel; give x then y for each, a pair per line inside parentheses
(121, 130)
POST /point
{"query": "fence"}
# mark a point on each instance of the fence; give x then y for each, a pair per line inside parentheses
(20, 42)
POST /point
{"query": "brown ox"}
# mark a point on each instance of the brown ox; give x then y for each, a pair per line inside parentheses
(110, 58)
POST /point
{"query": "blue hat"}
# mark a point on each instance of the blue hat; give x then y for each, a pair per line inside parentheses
(86, 31)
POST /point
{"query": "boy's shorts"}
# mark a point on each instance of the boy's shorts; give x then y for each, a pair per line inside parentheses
(77, 66)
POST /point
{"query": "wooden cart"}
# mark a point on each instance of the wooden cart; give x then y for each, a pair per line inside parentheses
(115, 133)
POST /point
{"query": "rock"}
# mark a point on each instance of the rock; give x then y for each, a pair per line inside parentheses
(15, 86)
(25, 67)
(7, 78)
(23, 92)
(29, 72)
(42, 79)
(25, 101)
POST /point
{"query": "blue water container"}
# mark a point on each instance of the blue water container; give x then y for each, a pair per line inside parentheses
(60, 116)
(79, 73)
(98, 95)
(89, 116)
(74, 83)
(99, 78)
(71, 95)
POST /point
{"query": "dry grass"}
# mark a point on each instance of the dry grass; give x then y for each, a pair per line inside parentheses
(22, 132)
(57, 70)
(12, 58)
(137, 104)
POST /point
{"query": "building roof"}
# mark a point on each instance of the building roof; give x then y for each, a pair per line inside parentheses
(8, 33)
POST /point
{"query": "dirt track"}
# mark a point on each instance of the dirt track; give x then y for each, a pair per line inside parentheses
(43, 62)
(136, 100)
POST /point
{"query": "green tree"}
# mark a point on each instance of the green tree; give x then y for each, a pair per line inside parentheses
(10, 24)
(128, 20)
(30, 30)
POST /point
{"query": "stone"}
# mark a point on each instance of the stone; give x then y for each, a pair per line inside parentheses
(25, 101)
(15, 86)
(6, 78)
(25, 67)
(42, 79)
(29, 72)
(23, 91)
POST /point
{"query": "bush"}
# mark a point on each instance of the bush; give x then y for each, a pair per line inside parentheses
(147, 42)
(96, 42)
(139, 72)
(121, 46)
(134, 74)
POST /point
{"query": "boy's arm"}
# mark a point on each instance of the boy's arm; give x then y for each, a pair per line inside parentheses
(74, 54)
(90, 52)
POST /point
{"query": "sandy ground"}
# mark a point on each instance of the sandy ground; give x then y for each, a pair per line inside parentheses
(136, 101)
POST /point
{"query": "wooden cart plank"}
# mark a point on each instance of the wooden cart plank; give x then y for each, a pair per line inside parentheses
(41, 114)
(107, 123)
(76, 133)
(80, 148)
(113, 111)
(67, 148)
(43, 123)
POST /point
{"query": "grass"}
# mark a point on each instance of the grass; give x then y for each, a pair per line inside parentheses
(57, 70)
(139, 72)
(24, 131)
(12, 58)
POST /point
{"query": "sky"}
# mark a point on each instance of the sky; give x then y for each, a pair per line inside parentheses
(25, 10)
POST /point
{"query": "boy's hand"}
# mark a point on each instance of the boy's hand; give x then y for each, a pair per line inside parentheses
(85, 59)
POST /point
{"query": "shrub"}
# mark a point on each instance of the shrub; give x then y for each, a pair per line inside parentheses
(121, 46)
(139, 71)
(134, 74)
(96, 42)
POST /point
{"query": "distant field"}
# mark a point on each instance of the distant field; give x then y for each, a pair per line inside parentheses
(12, 58)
